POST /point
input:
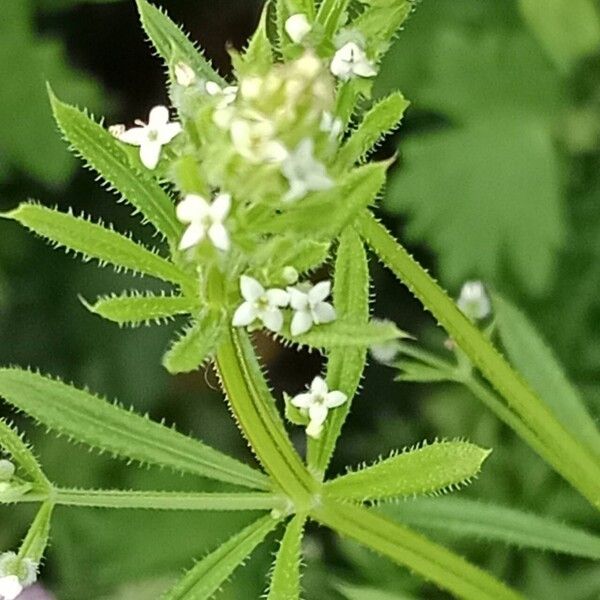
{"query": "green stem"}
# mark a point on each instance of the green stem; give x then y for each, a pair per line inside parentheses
(255, 411)
(573, 462)
(166, 500)
(406, 547)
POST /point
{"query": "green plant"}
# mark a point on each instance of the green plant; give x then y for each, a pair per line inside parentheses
(275, 182)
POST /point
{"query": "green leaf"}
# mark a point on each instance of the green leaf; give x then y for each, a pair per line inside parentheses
(331, 15)
(495, 196)
(138, 308)
(36, 540)
(465, 518)
(107, 156)
(344, 365)
(196, 343)
(285, 579)
(94, 241)
(347, 333)
(91, 420)
(535, 360)
(418, 372)
(28, 140)
(203, 580)
(429, 469)
(258, 56)
(171, 43)
(567, 30)
(22, 455)
(323, 215)
(380, 120)
(360, 592)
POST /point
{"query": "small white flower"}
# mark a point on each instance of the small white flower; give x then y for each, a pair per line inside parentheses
(317, 402)
(153, 136)
(310, 307)
(474, 301)
(117, 130)
(10, 587)
(332, 125)
(351, 60)
(297, 27)
(204, 218)
(254, 139)
(7, 470)
(304, 173)
(184, 74)
(261, 304)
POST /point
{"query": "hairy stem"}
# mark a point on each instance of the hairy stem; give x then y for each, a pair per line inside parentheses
(574, 462)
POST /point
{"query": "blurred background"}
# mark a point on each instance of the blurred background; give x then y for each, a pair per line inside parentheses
(497, 178)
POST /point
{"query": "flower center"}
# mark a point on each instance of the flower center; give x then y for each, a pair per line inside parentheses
(152, 135)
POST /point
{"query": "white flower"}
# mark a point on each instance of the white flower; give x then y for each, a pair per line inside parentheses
(10, 587)
(474, 301)
(261, 304)
(226, 96)
(7, 470)
(317, 402)
(332, 125)
(254, 139)
(297, 27)
(351, 60)
(310, 306)
(184, 74)
(304, 173)
(153, 136)
(204, 219)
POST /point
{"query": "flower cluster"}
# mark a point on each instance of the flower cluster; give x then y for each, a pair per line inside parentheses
(307, 302)
(16, 573)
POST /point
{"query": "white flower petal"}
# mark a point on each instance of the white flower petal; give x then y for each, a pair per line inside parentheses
(318, 413)
(335, 399)
(319, 386)
(302, 400)
(212, 88)
(297, 27)
(184, 74)
(10, 587)
(244, 315)
(319, 292)
(220, 207)
(193, 235)
(159, 117)
(272, 319)
(219, 236)
(167, 132)
(277, 297)
(192, 208)
(364, 68)
(298, 299)
(136, 136)
(150, 154)
(314, 430)
(250, 288)
(301, 322)
(323, 313)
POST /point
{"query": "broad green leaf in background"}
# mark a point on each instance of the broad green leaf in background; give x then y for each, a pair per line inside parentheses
(567, 30)
(536, 361)
(494, 196)
(98, 423)
(491, 522)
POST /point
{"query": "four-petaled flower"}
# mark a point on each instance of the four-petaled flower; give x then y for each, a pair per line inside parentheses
(151, 137)
(204, 219)
(474, 301)
(297, 27)
(310, 307)
(304, 173)
(351, 60)
(261, 304)
(317, 402)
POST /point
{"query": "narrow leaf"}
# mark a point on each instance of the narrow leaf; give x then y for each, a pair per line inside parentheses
(92, 420)
(22, 455)
(344, 365)
(203, 580)
(140, 308)
(540, 367)
(465, 518)
(258, 56)
(331, 15)
(430, 469)
(196, 343)
(107, 156)
(171, 43)
(381, 120)
(36, 540)
(285, 579)
(95, 242)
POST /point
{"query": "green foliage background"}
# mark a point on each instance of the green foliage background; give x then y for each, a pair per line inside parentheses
(497, 178)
